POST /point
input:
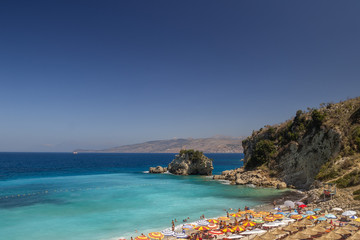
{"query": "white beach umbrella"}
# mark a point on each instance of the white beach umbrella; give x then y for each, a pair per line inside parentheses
(289, 203)
(337, 209)
(234, 237)
(255, 231)
(202, 223)
(180, 235)
(349, 213)
(168, 232)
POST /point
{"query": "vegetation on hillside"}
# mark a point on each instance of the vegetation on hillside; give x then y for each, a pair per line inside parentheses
(343, 117)
(192, 154)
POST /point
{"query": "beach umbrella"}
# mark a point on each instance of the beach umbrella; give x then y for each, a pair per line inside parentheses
(238, 228)
(223, 218)
(290, 228)
(289, 203)
(337, 209)
(321, 219)
(242, 212)
(213, 226)
(180, 235)
(258, 221)
(264, 213)
(318, 229)
(349, 213)
(268, 236)
(299, 224)
(350, 228)
(310, 231)
(215, 232)
(202, 228)
(302, 206)
(235, 215)
(311, 217)
(310, 213)
(278, 216)
(202, 223)
(332, 235)
(256, 215)
(269, 218)
(330, 216)
(353, 217)
(142, 237)
(168, 232)
(188, 226)
(226, 230)
(122, 238)
(279, 213)
(357, 220)
(212, 221)
(342, 231)
(278, 231)
(257, 238)
(156, 235)
(297, 216)
(255, 231)
(250, 211)
(248, 224)
(299, 235)
(294, 213)
(299, 203)
(317, 209)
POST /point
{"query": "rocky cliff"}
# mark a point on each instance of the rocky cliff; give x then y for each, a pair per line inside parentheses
(190, 162)
(313, 145)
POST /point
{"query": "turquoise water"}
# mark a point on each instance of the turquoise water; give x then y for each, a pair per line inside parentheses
(95, 203)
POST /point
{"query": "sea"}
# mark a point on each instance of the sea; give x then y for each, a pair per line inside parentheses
(110, 195)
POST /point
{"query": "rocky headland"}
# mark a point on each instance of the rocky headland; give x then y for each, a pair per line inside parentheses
(187, 162)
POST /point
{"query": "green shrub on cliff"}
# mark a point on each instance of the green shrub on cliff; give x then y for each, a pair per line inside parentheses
(193, 155)
(263, 152)
(349, 180)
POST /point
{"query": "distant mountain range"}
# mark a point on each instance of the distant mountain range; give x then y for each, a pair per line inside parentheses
(207, 145)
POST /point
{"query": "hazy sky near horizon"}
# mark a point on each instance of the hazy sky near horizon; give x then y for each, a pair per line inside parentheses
(98, 74)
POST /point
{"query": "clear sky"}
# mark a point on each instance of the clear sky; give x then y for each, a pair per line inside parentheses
(98, 74)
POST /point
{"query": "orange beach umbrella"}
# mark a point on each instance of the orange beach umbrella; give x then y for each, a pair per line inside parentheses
(264, 213)
(297, 216)
(223, 218)
(311, 217)
(235, 215)
(156, 235)
(256, 215)
(269, 218)
(278, 216)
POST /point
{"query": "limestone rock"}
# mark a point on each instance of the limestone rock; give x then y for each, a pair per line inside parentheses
(190, 162)
(157, 169)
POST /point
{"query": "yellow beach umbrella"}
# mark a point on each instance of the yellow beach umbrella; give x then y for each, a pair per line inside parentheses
(242, 212)
(297, 216)
(235, 215)
(223, 218)
(250, 211)
(278, 216)
(156, 235)
(312, 217)
(225, 230)
(238, 228)
(202, 228)
(264, 213)
(357, 220)
(212, 221)
(248, 224)
(256, 215)
(269, 218)
(142, 237)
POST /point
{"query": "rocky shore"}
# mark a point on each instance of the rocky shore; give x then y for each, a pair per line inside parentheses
(258, 178)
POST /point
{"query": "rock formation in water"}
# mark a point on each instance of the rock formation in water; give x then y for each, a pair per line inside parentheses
(321, 144)
(190, 162)
(157, 169)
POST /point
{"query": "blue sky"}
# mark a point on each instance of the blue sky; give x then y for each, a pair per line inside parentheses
(97, 74)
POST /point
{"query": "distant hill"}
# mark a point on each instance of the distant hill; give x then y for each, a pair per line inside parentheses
(208, 145)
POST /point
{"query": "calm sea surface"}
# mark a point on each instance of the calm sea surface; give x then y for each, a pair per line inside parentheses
(105, 196)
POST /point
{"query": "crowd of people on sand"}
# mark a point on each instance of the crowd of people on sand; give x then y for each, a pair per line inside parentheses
(294, 220)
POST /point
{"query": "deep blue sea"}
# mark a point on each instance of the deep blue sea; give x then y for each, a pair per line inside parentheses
(106, 196)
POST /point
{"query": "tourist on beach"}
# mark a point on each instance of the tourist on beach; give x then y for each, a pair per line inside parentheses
(227, 213)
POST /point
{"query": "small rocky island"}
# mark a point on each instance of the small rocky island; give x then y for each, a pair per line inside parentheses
(187, 162)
